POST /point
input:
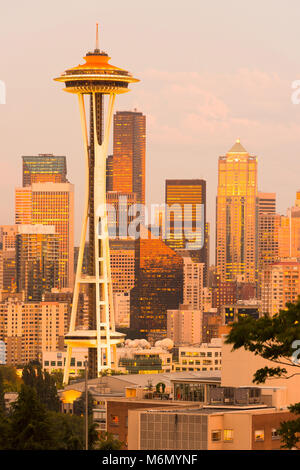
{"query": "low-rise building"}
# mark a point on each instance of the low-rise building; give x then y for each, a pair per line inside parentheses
(201, 357)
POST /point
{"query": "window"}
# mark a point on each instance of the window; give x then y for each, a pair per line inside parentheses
(114, 420)
(275, 434)
(259, 435)
(216, 435)
(228, 435)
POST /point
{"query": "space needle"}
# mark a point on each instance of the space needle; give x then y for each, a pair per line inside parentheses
(96, 78)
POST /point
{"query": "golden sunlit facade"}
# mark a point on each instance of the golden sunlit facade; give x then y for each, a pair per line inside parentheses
(289, 234)
(280, 284)
(51, 204)
(129, 153)
(158, 286)
(236, 215)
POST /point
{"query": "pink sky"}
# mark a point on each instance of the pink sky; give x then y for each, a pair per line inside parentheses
(209, 73)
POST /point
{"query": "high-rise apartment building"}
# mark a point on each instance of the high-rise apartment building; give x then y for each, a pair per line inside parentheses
(28, 328)
(185, 220)
(236, 215)
(158, 286)
(8, 258)
(37, 258)
(51, 204)
(280, 284)
(126, 169)
(44, 167)
(184, 325)
(192, 282)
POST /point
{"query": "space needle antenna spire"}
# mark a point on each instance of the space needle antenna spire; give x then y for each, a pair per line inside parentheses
(97, 36)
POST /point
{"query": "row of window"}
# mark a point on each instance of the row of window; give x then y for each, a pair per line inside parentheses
(259, 435)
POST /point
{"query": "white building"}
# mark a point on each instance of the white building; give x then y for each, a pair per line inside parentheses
(55, 360)
(202, 357)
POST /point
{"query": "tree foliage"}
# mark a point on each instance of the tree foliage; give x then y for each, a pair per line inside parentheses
(79, 405)
(108, 442)
(44, 384)
(272, 338)
(275, 339)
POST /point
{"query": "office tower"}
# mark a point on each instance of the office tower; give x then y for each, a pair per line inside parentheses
(289, 234)
(158, 286)
(28, 328)
(44, 167)
(185, 221)
(122, 265)
(280, 284)
(184, 325)
(51, 204)
(119, 215)
(129, 153)
(37, 260)
(267, 229)
(96, 78)
(192, 282)
(236, 211)
(268, 223)
(266, 203)
(8, 258)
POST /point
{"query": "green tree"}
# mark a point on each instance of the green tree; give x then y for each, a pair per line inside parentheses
(44, 384)
(30, 425)
(108, 442)
(11, 381)
(2, 400)
(58, 377)
(275, 339)
(79, 405)
(5, 431)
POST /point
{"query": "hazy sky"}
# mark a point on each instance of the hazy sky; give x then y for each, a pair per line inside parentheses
(210, 72)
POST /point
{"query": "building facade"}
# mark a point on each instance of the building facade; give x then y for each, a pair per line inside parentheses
(44, 167)
(158, 286)
(127, 166)
(51, 204)
(236, 215)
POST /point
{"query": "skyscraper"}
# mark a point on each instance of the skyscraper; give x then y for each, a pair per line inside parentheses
(236, 215)
(185, 220)
(158, 286)
(280, 284)
(127, 167)
(51, 204)
(37, 258)
(268, 223)
(8, 258)
(44, 167)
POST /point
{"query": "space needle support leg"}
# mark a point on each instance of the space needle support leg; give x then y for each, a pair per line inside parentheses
(101, 234)
(82, 237)
(109, 311)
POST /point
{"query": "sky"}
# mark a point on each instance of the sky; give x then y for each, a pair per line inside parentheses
(210, 72)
